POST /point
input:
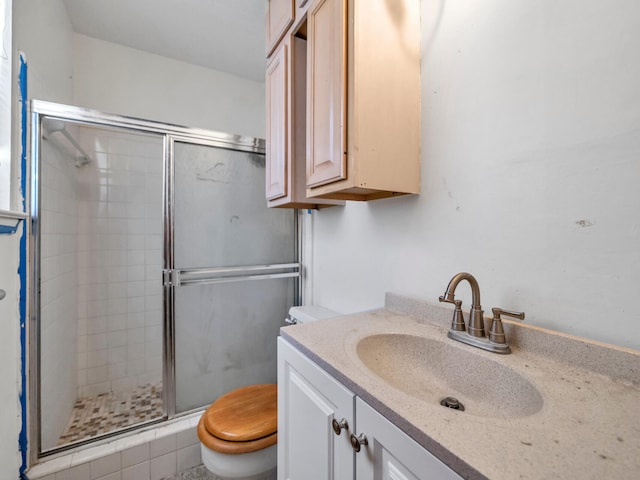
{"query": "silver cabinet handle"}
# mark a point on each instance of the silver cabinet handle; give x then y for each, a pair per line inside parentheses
(2, 294)
(357, 442)
(339, 425)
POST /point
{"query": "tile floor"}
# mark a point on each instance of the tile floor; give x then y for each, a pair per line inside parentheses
(201, 473)
(107, 412)
(196, 473)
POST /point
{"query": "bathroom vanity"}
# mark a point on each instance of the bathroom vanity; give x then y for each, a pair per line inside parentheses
(359, 398)
(317, 419)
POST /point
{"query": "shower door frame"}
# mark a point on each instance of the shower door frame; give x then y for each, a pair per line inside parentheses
(173, 277)
(170, 277)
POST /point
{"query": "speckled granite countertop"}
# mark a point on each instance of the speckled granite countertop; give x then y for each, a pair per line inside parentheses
(586, 423)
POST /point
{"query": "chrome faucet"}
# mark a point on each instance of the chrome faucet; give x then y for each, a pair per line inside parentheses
(496, 341)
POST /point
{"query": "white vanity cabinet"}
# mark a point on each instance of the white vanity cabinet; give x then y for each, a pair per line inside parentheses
(390, 454)
(309, 400)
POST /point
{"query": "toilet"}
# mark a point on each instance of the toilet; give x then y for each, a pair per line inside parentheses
(239, 431)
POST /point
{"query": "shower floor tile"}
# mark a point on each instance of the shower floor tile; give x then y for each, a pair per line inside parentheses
(107, 412)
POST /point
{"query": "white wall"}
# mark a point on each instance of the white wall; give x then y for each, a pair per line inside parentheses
(9, 356)
(119, 262)
(9, 245)
(6, 95)
(42, 31)
(122, 80)
(530, 167)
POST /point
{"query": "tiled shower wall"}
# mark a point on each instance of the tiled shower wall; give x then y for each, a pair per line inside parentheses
(58, 291)
(119, 262)
(155, 454)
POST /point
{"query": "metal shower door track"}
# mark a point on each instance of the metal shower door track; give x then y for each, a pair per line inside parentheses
(197, 135)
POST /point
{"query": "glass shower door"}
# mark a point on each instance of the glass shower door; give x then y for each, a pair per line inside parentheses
(233, 274)
(97, 260)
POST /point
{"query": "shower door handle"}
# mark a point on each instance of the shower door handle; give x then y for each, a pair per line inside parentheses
(196, 276)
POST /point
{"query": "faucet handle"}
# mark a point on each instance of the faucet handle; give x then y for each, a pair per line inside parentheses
(457, 322)
(509, 313)
(496, 332)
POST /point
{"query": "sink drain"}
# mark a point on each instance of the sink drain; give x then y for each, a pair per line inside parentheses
(451, 402)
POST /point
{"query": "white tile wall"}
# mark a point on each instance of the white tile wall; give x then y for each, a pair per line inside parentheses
(163, 466)
(106, 465)
(58, 263)
(136, 455)
(138, 471)
(120, 294)
(188, 457)
(80, 472)
(149, 455)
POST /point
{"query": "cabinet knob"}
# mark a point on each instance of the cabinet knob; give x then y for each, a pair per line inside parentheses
(339, 425)
(357, 442)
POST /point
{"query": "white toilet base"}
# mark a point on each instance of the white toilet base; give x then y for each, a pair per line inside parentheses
(241, 465)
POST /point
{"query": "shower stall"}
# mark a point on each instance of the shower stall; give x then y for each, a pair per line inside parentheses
(159, 277)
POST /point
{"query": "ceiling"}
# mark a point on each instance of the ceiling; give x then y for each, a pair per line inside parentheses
(226, 35)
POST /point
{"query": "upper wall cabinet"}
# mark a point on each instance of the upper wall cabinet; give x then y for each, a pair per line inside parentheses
(363, 103)
(326, 109)
(301, 7)
(278, 114)
(286, 93)
(286, 127)
(280, 15)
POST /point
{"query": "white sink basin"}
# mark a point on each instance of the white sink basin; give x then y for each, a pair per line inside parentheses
(431, 370)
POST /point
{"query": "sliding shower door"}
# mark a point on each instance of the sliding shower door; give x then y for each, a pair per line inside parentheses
(234, 272)
(97, 214)
(160, 278)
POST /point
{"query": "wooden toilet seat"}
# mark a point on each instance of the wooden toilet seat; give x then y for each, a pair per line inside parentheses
(241, 421)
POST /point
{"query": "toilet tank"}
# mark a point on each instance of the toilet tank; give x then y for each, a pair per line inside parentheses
(309, 313)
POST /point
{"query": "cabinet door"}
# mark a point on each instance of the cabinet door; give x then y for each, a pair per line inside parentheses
(392, 455)
(301, 8)
(277, 151)
(308, 401)
(326, 107)
(279, 19)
